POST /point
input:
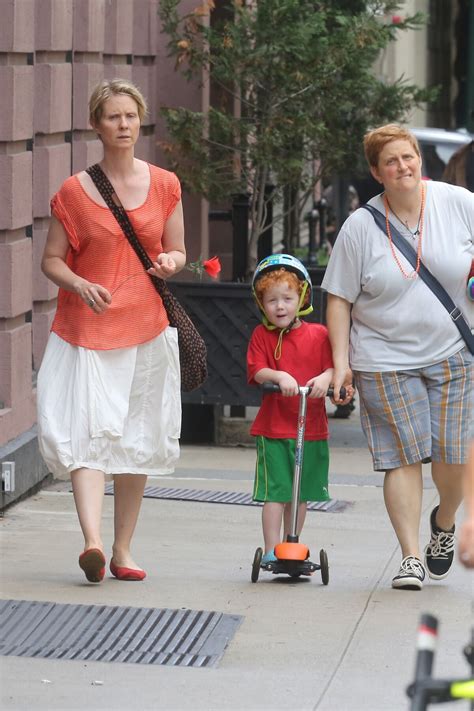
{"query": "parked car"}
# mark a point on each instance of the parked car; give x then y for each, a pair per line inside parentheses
(436, 145)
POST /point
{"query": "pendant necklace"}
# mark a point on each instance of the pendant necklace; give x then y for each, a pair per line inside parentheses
(418, 231)
(405, 224)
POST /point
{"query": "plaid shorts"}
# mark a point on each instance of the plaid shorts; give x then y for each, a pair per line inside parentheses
(420, 415)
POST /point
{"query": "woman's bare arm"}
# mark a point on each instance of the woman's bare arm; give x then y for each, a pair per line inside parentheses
(53, 265)
(173, 257)
(338, 318)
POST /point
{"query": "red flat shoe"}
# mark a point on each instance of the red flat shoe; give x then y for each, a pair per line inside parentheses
(122, 573)
(92, 562)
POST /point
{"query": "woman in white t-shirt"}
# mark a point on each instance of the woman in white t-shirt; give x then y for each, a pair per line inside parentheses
(392, 335)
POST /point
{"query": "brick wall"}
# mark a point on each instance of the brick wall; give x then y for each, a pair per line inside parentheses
(52, 53)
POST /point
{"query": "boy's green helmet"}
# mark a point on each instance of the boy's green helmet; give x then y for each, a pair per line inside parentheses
(291, 264)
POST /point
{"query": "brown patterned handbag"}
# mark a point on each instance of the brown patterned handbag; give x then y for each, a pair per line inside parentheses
(192, 349)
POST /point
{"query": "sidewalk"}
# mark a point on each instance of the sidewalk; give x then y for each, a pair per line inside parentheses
(301, 645)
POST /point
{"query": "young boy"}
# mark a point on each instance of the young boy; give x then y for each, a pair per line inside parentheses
(289, 352)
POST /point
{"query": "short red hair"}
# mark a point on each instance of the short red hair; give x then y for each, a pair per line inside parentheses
(279, 276)
(377, 139)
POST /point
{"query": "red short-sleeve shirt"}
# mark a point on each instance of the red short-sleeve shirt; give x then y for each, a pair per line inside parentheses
(306, 352)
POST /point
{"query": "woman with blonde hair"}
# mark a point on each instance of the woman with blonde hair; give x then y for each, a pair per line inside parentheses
(391, 333)
(109, 384)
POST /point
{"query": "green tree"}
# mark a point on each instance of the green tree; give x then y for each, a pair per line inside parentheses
(295, 93)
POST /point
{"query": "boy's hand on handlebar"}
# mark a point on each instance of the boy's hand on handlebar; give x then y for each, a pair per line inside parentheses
(319, 385)
(288, 385)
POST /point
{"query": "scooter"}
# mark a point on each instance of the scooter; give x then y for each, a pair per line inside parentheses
(293, 556)
(426, 690)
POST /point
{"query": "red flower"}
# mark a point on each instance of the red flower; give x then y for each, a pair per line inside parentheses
(396, 19)
(212, 266)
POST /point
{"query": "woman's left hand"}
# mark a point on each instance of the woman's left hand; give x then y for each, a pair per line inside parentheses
(164, 267)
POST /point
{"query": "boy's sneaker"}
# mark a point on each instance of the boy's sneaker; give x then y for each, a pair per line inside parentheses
(268, 558)
(411, 574)
(439, 553)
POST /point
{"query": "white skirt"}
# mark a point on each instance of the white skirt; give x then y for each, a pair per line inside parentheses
(118, 411)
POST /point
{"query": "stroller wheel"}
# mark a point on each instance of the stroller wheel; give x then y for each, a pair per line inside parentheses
(323, 560)
(257, 559)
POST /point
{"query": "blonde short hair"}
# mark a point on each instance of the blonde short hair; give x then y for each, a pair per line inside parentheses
(108, 88)
(377, 139)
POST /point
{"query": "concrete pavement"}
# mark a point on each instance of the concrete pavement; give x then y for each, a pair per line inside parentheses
(301, 645)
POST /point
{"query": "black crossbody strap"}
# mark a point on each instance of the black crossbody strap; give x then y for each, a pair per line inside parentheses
(192, 349)
(438, 290)
(106, 189)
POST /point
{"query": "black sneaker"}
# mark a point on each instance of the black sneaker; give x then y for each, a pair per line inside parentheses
(411, 574)
(439, 553)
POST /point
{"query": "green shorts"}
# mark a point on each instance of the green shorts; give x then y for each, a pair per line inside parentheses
(275, 466)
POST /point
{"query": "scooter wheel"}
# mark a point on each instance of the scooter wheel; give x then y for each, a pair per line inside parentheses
(257, 559)
(323, 560)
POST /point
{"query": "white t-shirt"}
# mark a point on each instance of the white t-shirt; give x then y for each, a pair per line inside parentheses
(398, 323)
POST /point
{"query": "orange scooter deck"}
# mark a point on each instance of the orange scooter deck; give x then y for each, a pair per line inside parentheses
(291, 551)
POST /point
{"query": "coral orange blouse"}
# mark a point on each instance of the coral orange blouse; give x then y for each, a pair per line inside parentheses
(100, 252)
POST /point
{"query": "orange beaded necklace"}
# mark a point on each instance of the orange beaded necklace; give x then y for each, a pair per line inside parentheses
(414, 273)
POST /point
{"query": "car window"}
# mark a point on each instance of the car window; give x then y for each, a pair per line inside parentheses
(435, 157)
(433, 164)
(445, 150)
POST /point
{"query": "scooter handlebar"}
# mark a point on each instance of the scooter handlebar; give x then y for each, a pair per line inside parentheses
(274, 388)
(342, 392)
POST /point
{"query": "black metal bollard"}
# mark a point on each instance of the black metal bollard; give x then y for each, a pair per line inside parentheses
(312, 218)
(265, 241)
(240, 235)
(322, 206)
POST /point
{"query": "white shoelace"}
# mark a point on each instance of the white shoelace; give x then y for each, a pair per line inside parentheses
(441, 544)
(412, 566)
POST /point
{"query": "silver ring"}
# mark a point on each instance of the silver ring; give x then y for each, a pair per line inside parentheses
(91, 302)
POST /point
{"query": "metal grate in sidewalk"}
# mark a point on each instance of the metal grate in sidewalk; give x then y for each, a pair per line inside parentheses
(224, 497)
(138, 635)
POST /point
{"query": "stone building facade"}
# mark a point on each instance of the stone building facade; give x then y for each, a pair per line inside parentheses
(52, 54)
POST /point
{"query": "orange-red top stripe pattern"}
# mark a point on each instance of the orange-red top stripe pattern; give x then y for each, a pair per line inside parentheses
(101, 253)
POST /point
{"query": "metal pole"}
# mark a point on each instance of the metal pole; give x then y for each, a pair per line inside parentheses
(313, 217)
(265, 241)
(322, 206)
(340, 191)
(240, 235)
(425, 651)
(299, 452)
